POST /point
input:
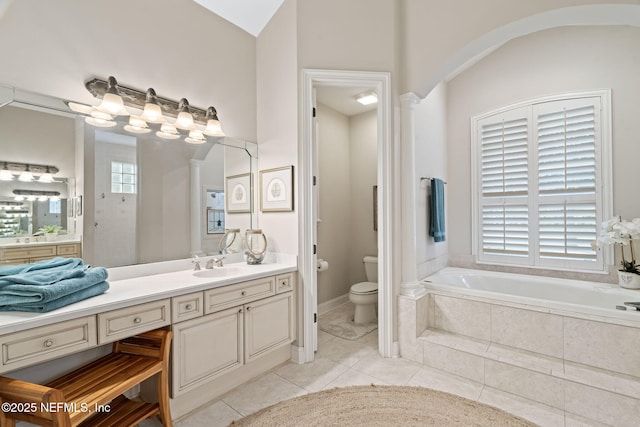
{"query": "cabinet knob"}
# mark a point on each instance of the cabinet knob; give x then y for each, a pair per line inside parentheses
(48, 343)
(240, 311)
(248, 308)
(243, 293)
(137, 320)
(188, 307)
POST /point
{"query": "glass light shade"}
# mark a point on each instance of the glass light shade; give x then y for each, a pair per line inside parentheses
(100, 122)
(152, 113)
(112, 104)
(19, 198)
(55, 198)
(26, 176)
(42, 198)
(184, 121)
(168, 131)
(31, 198)
(6, 175)
(196, 137)
(213, 128)
(46, 178)
(137, 125)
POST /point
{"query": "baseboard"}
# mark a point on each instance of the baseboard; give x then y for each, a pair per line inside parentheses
(297, 354)
(332, 303)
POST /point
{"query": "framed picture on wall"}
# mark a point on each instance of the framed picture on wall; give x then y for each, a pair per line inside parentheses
(276, 189)
(238, 193)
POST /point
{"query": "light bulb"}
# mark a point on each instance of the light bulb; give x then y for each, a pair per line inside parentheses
(168, 131)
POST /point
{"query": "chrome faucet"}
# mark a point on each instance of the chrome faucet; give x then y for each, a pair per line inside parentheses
(196, 264)
(215, 262)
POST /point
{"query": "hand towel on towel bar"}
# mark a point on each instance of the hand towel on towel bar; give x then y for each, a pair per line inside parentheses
(436, 211)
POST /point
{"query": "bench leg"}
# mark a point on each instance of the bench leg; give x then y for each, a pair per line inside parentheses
(163, 398)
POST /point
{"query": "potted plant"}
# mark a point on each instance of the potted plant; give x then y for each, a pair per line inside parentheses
(50, 232)
(618, 231)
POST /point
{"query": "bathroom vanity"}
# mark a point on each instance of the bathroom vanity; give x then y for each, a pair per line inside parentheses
(230, 324)
(17, 251)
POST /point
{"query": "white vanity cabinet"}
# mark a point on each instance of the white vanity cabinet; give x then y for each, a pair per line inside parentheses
(229, 338)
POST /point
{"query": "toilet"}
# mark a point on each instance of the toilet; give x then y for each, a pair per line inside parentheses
(364, 295)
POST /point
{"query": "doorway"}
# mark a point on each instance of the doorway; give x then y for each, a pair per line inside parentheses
(379, 83)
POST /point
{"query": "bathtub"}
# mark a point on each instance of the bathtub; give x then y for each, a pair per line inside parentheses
(574, 296)
(556, 342)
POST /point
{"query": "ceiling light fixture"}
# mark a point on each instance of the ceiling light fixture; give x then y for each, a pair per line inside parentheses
(169, 119)
(5, 173)
(367, 98)
(32, 195)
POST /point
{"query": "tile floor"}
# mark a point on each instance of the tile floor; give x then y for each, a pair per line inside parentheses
(340, 363)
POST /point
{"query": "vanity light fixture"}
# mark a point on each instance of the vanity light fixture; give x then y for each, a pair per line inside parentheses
(31, 195)
(175, 119)
(26, 171)
(367, 98)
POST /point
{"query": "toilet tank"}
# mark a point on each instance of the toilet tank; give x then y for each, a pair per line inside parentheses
(371, 268)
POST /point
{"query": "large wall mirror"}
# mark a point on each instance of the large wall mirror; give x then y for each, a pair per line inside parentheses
(128, 198)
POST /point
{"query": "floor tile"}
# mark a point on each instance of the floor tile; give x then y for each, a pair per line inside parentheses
(543, 415)
(260, 393)
(311, 376)
(395, 371)
(353, 377)
(218, 414)
(345, 352)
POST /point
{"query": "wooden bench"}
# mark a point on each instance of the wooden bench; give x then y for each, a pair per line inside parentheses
(92, 395)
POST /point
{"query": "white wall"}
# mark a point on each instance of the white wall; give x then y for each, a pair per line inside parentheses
(430, 118)
(277, 98)
(566, 59)
(363, 176)
(334, 208)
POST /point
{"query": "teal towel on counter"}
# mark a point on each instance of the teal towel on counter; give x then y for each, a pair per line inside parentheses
(436, 211)
(46, 297)
(42, 277)
(48, 264)
(46, 306)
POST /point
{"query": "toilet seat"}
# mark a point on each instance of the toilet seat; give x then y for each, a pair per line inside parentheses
(364, 288)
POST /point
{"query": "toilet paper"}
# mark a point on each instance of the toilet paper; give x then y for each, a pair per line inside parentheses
(322, 265)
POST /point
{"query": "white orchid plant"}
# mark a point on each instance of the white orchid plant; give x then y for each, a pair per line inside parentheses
(622, 232)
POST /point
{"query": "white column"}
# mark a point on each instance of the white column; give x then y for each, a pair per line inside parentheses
(196, 208)
(409, 286)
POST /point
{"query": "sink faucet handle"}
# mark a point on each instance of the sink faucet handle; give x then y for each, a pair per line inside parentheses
(218, 260)
(196, 263)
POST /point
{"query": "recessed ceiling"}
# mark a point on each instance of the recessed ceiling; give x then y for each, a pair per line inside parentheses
(250, 15)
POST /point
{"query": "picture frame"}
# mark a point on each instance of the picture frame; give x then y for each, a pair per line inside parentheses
(276, 189)
(238, 193)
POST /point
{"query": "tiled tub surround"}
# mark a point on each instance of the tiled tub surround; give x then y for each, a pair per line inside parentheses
(583, 362)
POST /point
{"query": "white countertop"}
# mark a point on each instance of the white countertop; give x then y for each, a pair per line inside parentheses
(150, 282)
(12, 242)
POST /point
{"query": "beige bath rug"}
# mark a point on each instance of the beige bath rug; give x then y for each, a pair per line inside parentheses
(344, 327)
(381, 406)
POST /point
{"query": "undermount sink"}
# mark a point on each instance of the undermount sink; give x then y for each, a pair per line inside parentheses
(217, 272)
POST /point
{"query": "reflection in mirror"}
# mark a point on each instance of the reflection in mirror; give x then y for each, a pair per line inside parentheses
(26, 206)
(154, 222)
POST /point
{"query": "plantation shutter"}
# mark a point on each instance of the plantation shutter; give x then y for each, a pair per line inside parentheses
(504, 176)
(567, 208)
(538, 183)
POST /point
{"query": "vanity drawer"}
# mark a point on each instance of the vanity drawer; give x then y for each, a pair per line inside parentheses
(67, 250)
(126, 322)
(284, 283)
(232, 295)
(187, 307)
(30, 252)
(48, 342)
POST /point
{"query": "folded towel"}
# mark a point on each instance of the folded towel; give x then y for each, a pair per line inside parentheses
(18, 293)
(43, 277)
(44, 307)
(436, 211)
(54, 263)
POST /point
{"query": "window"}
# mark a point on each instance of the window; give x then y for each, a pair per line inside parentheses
(123, 177)
(539, 173)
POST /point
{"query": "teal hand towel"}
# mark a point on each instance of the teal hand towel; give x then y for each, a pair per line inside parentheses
(16, 293)
(42, 277)
(46, 306)
(436, 211)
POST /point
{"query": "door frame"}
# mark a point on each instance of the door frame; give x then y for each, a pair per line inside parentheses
(380, 83)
